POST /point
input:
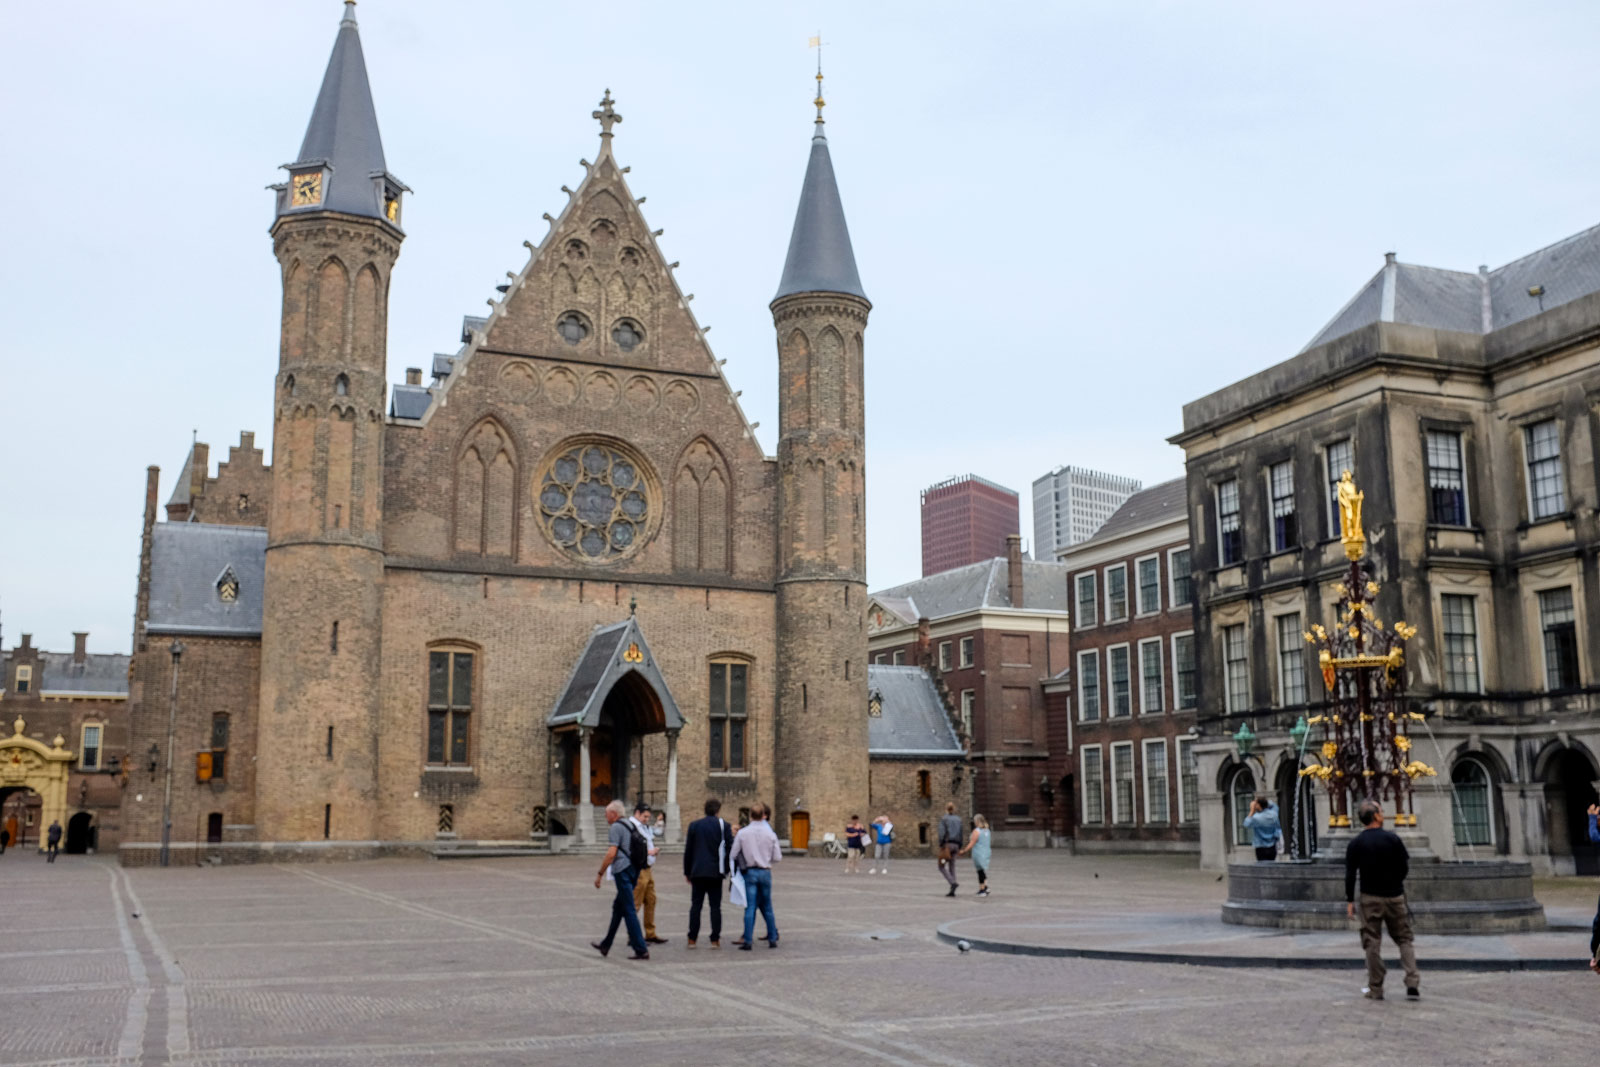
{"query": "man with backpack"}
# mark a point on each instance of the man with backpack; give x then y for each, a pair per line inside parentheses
(629, 853)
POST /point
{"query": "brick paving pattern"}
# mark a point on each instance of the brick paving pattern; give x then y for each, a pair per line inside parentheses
(487, 962)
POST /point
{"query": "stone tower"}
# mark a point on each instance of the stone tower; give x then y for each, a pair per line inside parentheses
(336, 234)
(820, 313)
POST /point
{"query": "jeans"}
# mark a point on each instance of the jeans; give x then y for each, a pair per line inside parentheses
(881, 852)
(758, 894)
(710, 891)
(1594, 933)
(947, 863)
(52, 848)
(622, 908)
(1266, 853)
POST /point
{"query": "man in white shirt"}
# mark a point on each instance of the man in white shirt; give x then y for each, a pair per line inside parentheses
(644, 890)
(755, 850)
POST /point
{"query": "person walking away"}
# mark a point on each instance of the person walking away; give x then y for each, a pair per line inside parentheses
(705, 865)
(755, 850)
(882, 839)
(1594, 931)
(855, 844)
(53, 840)
(622, 860)
(1379, 858)
(1262, 822)
(644, 888)
(949, 845)
(978, 845)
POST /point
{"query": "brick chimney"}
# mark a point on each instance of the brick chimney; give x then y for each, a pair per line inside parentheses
(413, 375)
(80, 647)
(924, 642)
(27, 643)
(1014, 568)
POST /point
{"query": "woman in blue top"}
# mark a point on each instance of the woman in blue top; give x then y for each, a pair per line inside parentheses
(882, 838)
(978, 845)
(1594, 931)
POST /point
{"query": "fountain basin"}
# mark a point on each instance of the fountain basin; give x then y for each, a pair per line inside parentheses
(1468, 897)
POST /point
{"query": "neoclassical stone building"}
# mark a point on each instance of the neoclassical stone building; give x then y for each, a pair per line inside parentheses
(1467, 407)
(564, 571)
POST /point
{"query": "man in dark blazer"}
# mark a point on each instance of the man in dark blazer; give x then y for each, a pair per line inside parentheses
(705, 865)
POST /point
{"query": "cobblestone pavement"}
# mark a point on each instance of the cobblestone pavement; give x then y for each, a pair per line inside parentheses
(487, 963)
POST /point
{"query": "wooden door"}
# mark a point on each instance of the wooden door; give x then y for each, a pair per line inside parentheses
(799, 829)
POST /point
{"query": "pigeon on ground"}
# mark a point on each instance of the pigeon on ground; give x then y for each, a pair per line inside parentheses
(964, 946)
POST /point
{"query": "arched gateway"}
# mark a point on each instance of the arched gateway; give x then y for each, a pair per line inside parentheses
(615, 699)
(29, 764)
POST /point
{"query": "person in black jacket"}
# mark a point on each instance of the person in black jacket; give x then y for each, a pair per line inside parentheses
(705, 864)
(1379, 857)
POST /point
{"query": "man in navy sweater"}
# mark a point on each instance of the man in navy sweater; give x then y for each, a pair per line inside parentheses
(1379, 857)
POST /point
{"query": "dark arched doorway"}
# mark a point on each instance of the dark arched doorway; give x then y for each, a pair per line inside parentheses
(1568, 792)
(630, 711)
(80, 833)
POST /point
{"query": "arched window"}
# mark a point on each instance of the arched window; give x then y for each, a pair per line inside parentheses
(1241, 792)
(728, 711)
(341, 386)
(1471, 811)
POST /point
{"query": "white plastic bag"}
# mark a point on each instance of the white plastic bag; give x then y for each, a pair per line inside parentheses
(736, 889)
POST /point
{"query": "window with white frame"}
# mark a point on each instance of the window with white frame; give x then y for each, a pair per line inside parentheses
(1185, 685)
(1338, 457)
(1156, 804)
(1291, 661)
(1447, 479)
(1094, 789)
(1559, 626)
(1459, 613)
(1149, 590)
(969, 702)
(1121, 683)
(1547, 494)
(89, 748)
(24, 680)
(1182, 580)
(1089, 686)
(1151, 700)
(1117, 593)
(899, 657)
(1188, 781)
(1230, 539)
(1236, 668)
(1122, 811)
(879, 658)
(1280, 482)
(1088, 601)
(944, 655)
(966, 651)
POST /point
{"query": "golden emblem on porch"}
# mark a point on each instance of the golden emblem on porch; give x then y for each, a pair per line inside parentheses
(1350, 498)
(633, 655)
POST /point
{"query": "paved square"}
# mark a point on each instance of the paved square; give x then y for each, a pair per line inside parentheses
(487, 962)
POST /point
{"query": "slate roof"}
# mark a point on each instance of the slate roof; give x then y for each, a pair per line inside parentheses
(443, 365)
(914, 721)
(409, 401)
(470, 323)
(186, 561)
(978, 585)
(820, 258)
(343, 131)
(1148, 507)
(601, 664)
(1469, 302)
(100, 672)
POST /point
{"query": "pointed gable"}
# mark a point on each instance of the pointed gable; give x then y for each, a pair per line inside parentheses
(611, 653)
(820, 258)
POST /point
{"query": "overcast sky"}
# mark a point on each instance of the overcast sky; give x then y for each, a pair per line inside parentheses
(1071, 218)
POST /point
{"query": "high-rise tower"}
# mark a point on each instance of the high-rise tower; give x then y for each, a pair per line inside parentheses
(820, 313)
(336, 234)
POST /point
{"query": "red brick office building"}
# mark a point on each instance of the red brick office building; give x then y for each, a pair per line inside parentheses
(966, 520)
(1130, 708)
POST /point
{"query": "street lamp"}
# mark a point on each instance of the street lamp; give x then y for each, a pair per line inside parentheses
(1297, 734)
(1244, 740)
(172, 729)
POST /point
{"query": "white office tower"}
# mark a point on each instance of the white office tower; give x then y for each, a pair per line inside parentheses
(1071, 503)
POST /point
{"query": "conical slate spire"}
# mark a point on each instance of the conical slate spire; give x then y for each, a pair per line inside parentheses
(820, 257)
(343, 132)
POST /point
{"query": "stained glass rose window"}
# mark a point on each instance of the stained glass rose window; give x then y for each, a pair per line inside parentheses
(594, 501)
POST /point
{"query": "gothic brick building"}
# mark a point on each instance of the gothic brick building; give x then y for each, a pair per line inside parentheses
(564, 571)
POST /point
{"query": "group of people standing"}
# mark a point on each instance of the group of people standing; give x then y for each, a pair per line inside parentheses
(949, 847)
(714, 852)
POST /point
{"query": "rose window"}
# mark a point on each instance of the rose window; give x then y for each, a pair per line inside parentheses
(594, 501)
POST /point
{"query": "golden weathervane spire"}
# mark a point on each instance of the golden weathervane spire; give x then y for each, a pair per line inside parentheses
(816, 42)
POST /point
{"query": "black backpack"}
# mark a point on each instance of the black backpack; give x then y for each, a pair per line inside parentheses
(638, 849)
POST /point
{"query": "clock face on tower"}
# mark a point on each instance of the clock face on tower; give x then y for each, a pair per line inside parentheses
(305, 189)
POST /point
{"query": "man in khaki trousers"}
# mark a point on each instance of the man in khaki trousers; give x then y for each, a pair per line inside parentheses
(644, 890)
(1379, 857)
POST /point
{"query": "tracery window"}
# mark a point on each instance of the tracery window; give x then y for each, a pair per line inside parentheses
(627, 334)
(572, 328)
(595, 502)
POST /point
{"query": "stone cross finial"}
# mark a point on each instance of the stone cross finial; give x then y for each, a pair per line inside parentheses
(607, 116)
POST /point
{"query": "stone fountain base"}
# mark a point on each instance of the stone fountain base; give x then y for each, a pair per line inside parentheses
(1469, 897)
